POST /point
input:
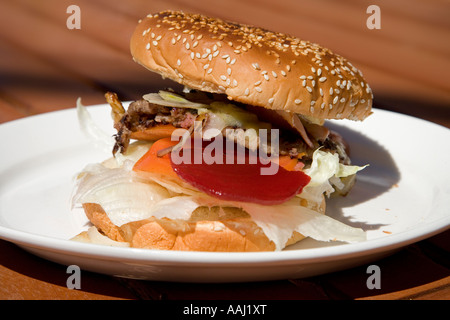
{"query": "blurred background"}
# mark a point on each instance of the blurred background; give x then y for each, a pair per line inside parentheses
(45, 66)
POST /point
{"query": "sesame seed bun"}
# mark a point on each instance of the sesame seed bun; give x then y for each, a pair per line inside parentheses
(251, 65)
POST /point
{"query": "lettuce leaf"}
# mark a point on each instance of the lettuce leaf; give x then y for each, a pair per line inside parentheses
(324, 172)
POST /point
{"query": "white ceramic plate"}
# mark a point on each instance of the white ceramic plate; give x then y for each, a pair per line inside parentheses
(401, 198)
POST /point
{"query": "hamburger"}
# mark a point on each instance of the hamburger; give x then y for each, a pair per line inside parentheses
(253, 109)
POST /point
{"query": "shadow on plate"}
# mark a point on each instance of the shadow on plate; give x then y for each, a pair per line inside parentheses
(379, 177)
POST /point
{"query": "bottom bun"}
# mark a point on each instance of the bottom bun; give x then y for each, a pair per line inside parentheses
(215, 229)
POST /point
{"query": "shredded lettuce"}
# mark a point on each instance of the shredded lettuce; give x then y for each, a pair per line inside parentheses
(91, 130)
(325, 172)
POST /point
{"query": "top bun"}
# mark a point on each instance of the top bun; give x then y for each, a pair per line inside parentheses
(251, 65)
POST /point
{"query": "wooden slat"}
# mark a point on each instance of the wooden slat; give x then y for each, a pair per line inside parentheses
(9, 111)
(35, 86)
(279, 290)
(27, 277)
(436, 290)
(76, 53)
(398, 278)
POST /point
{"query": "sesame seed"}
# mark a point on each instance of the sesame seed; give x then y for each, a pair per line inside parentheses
(225, 56)
(228, 60)
(298, 101)
(178, 62)
(229, 71)
(321, 92)
(266, 77)
(283, 73)
(246, 92)
(313, 83)
(257, 83)
(195, 44)
(206, 66)
(235, 83)
(221, 88)
(256, 66)
(309, 89)
(309, 77)
(155, 43)
(311, 109)
(215, 54)
(271, 100)
(303, 77)
(258, 89)
(319, 72)
(323, 79)
(173, 41)
(313, 102)
(342, 100)
(223, 77)
(188, 46)
(304, 83)
(209, 71)
(147, 46)
(322, 106)
(331, 91)
(274, 74)
(335, 100)
(158, 38)
(192, 55)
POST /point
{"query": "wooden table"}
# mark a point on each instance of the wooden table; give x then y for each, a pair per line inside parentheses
(45, 66)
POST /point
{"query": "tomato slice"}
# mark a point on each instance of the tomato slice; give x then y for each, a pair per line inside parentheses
(241, 182)
(150, 162)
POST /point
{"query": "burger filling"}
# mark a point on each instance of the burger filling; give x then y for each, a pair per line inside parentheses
(299, 136)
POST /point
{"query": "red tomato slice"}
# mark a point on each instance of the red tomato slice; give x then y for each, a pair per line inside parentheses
(241, 182)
